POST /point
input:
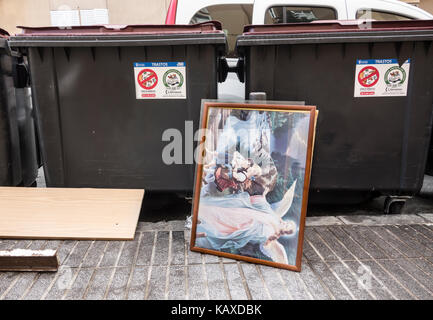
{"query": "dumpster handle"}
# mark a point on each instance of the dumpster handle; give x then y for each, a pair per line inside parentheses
(11, 52)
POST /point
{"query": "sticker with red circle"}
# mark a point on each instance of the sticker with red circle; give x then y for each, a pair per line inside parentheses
(381, 78)
(160, 80)
(368, 76)
(147, 79)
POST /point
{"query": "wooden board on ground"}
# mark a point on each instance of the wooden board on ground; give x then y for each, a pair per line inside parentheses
(29, 260)
(57, 213)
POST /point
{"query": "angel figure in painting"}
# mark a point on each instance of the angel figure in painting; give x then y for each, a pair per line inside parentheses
(243, 216)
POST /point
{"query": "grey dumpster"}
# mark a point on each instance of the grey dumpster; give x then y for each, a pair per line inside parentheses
(111, 100)
(372, 85)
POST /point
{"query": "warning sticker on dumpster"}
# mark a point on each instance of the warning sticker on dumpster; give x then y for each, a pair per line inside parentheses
(381, 78)
(160, 80)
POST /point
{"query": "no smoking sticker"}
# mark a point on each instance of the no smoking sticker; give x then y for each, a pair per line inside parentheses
(160, 80)
(381, 78)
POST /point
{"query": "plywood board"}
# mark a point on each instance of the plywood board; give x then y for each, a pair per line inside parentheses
(57, 213)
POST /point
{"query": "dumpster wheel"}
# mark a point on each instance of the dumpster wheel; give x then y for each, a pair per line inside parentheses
(395, 204)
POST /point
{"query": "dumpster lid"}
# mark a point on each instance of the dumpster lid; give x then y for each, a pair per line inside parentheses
(337, 31)
(4, 34)
(339, 26)
(106, 35)
(205, 27)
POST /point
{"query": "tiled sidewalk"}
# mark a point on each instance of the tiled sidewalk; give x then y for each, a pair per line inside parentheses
(345, 257)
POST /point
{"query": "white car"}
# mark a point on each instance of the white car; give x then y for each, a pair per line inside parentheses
(235, 14)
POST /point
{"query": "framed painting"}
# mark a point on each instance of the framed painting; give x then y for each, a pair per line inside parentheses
(252, 180)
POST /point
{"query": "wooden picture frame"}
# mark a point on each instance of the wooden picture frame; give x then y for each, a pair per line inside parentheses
(223, 186)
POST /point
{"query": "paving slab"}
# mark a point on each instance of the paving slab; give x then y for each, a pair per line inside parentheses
(332, 281)
(323, 221)
(357, 233)
(177, 288)
(100, 282)
(320, 246)
(235, 282)
(310, 253)
(146, 247)
(112, 253)
(424, 264)
(157, 283)
(394, 242)
(388, 281)
(414, 234)
(406, 279)
(197, 284)
(174, 225)
(296, 287)
(379, 242)
(63, 281)
(338, 247)
(65, 249)
(7, 280)
(369, 281)
(95, 254)
(255, 282)
(162, 248)
(351, 280)
(424, 279)
(40, 286)
(78, 253)
(79, 286)
(118, 286)
(427, 216)
(415, 245)
(275, 283)
(315, 286)
(349, 243)
(216, 282)
(427, 232)
(129, 252)
(21, 285)
(210, 258)
(389, 219)
(343, 258)
(138, 284)
(178, 248)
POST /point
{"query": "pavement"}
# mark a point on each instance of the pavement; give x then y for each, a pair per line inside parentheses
(348, 254)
